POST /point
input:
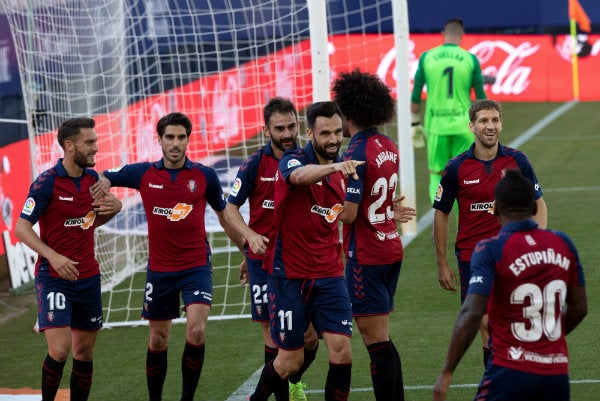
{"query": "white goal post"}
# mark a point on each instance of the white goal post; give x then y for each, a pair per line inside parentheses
(128, 62)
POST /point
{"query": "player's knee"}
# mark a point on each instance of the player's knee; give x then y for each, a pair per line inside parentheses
(195, 335)
(288, 363)
(340, 351)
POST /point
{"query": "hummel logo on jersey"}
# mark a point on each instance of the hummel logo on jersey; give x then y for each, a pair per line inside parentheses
(178, 212)
(470, 182)
(157, 186)
(267, 178)
(84, 222)
(515, 353)
(330, 214)
(65, 198)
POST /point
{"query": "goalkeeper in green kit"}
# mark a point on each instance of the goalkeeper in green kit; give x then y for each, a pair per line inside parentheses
(449, 72)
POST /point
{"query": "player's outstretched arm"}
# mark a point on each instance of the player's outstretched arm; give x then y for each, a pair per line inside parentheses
(465, 329)
(313, 173)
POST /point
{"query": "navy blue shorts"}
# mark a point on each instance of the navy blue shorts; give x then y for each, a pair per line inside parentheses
(372, 288)
(258, 288)
(501, 384)
(294, 304)
(161, 298)
(76, 304)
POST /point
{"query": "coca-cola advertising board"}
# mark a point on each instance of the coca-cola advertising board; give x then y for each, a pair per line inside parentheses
(226, 108)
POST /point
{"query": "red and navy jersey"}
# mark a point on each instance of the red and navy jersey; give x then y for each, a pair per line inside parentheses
(63, 207)
(305, 240)
(471, 182)
(175, 202)
(373, 239)
(255, 181)
(526, 272)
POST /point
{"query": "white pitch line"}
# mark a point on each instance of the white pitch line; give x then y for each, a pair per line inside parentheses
(249, 385)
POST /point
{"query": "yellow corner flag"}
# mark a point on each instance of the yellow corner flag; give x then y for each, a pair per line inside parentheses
(577, 13)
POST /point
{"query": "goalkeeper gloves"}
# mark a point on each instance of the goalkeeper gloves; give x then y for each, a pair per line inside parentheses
(419, 136)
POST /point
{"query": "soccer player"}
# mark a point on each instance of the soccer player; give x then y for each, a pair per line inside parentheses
(449, 73)
(372, 245)
(175, 192)
(470, 179)
(67, 274)
(534, 283)
(304, 258)
(255, 182)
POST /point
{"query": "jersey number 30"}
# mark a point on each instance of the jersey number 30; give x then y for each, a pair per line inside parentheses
(543, 311)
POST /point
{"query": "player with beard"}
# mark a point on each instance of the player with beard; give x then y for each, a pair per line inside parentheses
(255, 182)
(304, 257)
(67, 274)
(470, 179)
(175, 192)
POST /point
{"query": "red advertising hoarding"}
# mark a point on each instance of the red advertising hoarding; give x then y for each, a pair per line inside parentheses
(226, 108)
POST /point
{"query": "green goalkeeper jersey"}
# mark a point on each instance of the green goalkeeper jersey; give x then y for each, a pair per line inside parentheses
(449, 72)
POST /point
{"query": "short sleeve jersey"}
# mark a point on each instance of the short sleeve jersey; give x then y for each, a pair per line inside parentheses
(63, 207)
(526, 272)
(373, 239)
(305, 241)
(449, 72)
(471, 182)
(174, 201)
(255, 181)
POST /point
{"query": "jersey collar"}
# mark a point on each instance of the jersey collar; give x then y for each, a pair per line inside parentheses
(471, 151)
(187, 165)
(62, 172)
(522, 225)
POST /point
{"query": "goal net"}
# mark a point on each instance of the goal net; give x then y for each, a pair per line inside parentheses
(129, 62)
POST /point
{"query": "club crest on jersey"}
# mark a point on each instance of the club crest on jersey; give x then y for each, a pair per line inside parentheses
(330, 214)
(178, 212)
(84, 222)
(28, 207)
(50, 316)
(192, 186)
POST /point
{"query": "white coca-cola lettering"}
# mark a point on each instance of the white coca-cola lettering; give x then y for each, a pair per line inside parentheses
(512, 76)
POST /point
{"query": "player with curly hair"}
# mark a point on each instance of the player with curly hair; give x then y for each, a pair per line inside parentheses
(372, 243)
